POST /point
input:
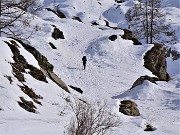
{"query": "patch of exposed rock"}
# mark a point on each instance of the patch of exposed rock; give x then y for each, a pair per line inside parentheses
(155, 61)
(77, 18)
(141, 79)
(149, 128)
(129, 108)
(113, 37)
(9, 78)
(28, 91)
(128, 36)
(76, 89)
(175, 55)
(107, 25)
(57, 34)
(58, 13)
(56, 79)
(20, 64)
(52, 45)
(27, 105)
(119, 1)
(94, 23)
(42, 60)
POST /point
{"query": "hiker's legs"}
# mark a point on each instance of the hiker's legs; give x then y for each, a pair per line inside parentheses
(84, 64)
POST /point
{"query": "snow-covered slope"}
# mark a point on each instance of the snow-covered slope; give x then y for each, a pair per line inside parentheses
(112, 68)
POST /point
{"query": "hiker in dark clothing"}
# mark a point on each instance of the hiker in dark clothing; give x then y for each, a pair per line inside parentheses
(84, 61)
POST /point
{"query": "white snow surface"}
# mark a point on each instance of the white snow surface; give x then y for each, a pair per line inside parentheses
(112, 68)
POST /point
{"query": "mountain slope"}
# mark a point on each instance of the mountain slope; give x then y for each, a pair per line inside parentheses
(112, 67)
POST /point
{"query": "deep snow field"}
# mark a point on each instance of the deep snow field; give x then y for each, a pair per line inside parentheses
(112, 68)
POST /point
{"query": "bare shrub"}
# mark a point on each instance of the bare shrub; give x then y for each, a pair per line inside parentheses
(14, 16)
(91, 119)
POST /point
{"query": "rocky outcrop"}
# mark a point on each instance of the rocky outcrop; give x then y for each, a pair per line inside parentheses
(149, 128)
(128, 36)
(58, 13)
(52, 45)
(20, 64)
(107, 25)
(119, 1)
(55, 79)
(9, 78)
(76, 89)
(155, 61)
(57, 34)
(28, 91)
(141, 79)
(175, 55)
(27, 105)
(46, 68)
(129, 108)
(42, 60)
(94, 23)
(77, 18)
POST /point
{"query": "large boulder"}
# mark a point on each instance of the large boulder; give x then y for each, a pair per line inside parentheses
(129, 108)
(155, 61)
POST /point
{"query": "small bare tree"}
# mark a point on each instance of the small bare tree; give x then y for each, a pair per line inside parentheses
(91, 119)
(147, 21)
(12, 11)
